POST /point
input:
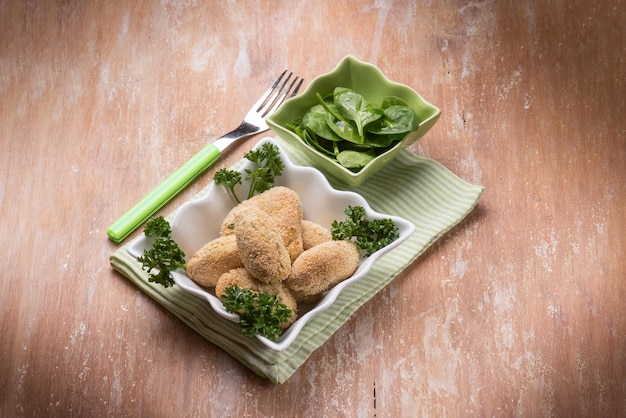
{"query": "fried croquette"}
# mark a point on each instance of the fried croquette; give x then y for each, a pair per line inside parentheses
(314, 234)
(241, 278)
(261, 247)
(285, 207)
(214, 259)
(321, 267)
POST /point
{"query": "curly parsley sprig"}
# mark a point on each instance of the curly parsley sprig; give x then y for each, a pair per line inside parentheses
(268, 166)
(369, 235)
(230, 179)
(259, 313)
(165, 255)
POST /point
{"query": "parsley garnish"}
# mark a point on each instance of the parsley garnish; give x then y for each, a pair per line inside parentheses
(369, 235)
(230, 179)
(268, 166)
(259, 313)
(165, 255)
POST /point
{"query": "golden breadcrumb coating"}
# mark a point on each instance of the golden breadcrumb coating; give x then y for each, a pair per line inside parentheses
(241, 278)
(282, 204)
(321, 267)
(214, 259)
(314, 234)
(238, 277)
(261, 247)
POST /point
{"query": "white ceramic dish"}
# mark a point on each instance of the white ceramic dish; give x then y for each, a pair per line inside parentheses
(198, 221)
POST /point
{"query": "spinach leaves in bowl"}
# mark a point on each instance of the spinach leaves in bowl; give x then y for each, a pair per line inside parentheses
(353, 131)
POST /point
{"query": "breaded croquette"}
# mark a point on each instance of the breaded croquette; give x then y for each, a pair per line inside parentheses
(314, 234)
(241, 278)
(238, 277)
(321, 267)
(285, 207)
(214, 259)
(261, 247)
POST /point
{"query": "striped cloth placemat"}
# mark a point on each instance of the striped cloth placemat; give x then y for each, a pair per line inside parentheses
(432, 197)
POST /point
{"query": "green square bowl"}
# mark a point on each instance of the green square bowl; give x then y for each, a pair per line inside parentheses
(367, 80)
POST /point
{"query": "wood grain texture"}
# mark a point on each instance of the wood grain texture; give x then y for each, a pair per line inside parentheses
(518, 311)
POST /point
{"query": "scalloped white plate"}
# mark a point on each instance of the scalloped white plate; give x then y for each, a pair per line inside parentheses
(198, 221)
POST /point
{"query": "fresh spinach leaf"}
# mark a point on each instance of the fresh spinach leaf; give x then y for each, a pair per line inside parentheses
(315, 121)
(337, 123)
(355, 108)
(344, 129)
(355, 159)
(396, 119)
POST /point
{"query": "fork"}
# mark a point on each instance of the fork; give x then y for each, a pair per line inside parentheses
(285, 86)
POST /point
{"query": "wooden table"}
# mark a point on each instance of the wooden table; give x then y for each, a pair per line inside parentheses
(518, 311)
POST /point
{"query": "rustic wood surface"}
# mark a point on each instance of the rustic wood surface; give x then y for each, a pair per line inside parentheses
(518, 311)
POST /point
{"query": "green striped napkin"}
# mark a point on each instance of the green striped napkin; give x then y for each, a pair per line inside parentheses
(432, 197)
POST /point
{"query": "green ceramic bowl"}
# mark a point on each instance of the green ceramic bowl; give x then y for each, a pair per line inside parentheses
(369, 81)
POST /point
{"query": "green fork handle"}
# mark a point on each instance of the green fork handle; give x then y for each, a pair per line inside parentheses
(163, 193)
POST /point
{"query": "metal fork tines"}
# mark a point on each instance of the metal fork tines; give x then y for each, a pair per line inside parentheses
(282, 89)
(273, 98)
